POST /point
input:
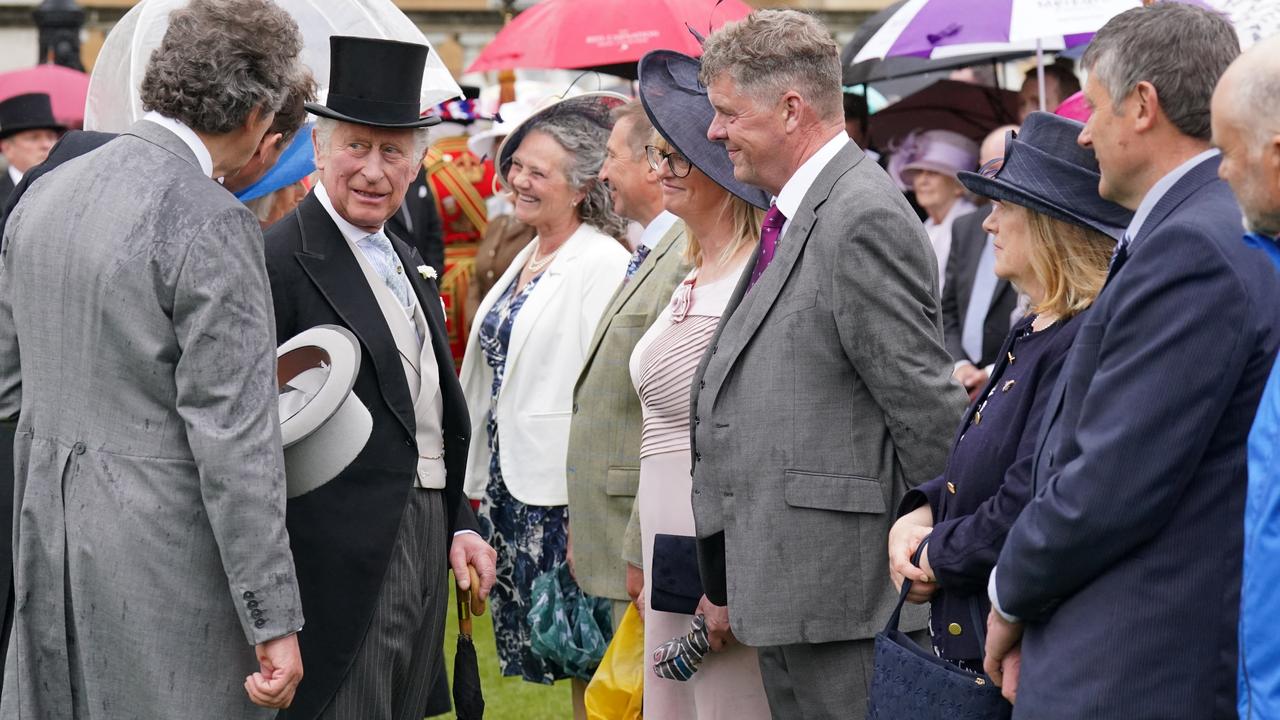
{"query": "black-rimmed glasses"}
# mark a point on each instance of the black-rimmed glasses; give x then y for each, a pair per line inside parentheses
(679, 164)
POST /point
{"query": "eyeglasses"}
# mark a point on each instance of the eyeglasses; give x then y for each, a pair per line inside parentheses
(679, 164)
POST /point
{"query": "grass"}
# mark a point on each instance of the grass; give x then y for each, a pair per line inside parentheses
(505, 697)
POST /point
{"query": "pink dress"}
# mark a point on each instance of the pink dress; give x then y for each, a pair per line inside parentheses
(728, 685)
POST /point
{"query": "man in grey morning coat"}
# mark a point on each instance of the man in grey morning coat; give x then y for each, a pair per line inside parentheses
(826, 391)
(137, 351)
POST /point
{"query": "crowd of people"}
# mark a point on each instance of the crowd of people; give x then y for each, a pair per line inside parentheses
(737, 375)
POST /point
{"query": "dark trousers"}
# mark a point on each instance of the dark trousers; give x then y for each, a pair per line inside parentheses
(822, 681)
(399, 660)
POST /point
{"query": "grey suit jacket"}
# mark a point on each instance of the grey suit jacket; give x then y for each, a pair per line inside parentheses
(826, 394)
(604, 436)
(967, 242)
(138, 342)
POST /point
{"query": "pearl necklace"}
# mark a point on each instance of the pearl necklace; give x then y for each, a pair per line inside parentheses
(535, 265)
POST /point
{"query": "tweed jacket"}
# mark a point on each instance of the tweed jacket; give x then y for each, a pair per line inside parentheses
(604, 434)
(826, 394)
(137, 340)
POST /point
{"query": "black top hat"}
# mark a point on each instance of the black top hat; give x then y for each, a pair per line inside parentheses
(375, 82)
(595, 107)
(676, 102)
(1047, 171)
(32, 111)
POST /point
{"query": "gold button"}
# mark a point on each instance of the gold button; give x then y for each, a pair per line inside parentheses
(1008, 385)
(951, 488)
(977, 417)
(954, 629)
(1011, 358)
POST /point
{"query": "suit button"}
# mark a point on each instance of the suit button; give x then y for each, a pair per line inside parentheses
(954, 629)
(252, 604)
(951, 488)
(259, 623)
(248, 594)
(78, 448)
(256, 613)
(702, 384)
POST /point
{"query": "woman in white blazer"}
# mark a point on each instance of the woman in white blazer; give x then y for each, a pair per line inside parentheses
(526, 347)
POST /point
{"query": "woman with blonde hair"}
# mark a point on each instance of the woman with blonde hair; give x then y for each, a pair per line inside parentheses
(722, 217)
(1054, 237)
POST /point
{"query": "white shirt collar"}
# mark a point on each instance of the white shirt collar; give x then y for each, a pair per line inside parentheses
(1161, 188)
(352, 233)
(14, 175)
(655, 230)
(792, 194)
(187, 136)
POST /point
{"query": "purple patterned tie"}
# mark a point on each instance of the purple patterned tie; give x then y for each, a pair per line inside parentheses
(770, 229)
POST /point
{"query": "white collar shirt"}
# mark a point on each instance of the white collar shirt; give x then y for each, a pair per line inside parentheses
(187, 136)
(353, 233)
(1160, 189)
(656, 228)
(14, 175)
(792, 193)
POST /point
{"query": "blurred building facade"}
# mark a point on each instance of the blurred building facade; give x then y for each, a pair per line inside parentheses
(458, 28)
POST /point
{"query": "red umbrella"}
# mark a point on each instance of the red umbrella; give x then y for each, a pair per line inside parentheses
(67, 89)
(567, 34)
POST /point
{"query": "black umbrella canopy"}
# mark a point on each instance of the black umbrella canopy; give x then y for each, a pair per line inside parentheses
(869, 71)
(468, 698)
(971, 110)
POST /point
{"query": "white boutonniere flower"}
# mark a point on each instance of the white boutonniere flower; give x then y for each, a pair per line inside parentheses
(427, 272)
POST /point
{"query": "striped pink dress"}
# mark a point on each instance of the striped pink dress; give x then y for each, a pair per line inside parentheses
(727, 686)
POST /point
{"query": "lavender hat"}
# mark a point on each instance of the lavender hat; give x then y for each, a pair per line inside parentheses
(941, 151)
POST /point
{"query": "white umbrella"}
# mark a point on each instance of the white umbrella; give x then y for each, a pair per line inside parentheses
(114, 104)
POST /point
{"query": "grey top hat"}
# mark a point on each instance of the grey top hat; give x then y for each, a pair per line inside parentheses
(1047, 171)
(596, 107)
(676, 102)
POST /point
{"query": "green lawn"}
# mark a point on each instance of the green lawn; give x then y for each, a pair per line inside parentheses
(505, 697)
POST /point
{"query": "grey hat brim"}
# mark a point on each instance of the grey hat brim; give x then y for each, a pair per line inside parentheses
(595, 106)
(677, 105)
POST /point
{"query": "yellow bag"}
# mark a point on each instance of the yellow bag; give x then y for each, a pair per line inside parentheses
(616, 691)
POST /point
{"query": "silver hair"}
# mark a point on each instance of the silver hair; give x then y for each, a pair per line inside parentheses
(326, 126)
(1180, 49)
(585, 142)
(772, 51)
(220, 59)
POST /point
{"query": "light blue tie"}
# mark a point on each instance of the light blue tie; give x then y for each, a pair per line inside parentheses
(377, 249)
(975, 318)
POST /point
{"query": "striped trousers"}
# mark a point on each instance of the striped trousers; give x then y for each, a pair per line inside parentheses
(397, 663)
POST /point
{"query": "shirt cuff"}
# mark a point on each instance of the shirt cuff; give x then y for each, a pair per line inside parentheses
(465, 531)
(995, 602)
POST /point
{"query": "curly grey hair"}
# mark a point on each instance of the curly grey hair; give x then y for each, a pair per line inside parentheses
(326, 126)
(585, 141)
(772, 51)
(219, 59)
(1137, 44)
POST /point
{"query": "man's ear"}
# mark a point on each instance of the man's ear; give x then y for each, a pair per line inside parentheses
(315, 149)
(269, 142)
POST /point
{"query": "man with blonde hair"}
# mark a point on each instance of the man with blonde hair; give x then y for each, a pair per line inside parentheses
(826, 392)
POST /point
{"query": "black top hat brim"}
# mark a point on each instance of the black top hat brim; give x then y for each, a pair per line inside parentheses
(595, 106)
(327, 112)
(16, 128)
(1045, 171)
(28, 111)
(677, 105)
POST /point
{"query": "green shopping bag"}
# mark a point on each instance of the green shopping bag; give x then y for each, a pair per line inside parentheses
(568, 629)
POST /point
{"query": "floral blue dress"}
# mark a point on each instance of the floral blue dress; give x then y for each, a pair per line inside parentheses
(530, 539)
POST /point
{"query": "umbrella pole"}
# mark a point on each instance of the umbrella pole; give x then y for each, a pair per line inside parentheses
(1040, 70)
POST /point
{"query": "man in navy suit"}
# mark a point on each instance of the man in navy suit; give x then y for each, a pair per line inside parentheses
(1125, 567)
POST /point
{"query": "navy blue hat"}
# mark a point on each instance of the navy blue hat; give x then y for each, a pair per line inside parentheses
(677, 105)
(1047, 171)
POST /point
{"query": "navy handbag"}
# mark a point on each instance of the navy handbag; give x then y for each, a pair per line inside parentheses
(911, 683)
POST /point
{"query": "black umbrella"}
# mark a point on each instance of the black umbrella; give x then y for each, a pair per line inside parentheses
(869, 71)
(971, 110)
(468, 699)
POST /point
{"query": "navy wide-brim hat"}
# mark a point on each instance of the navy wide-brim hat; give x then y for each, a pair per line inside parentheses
(595, 107)
(1047, 171)
(375, 82)
(30, 111)
(677, 105)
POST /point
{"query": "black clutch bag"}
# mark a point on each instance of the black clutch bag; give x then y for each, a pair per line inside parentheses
(911, 682)
(676, 586)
